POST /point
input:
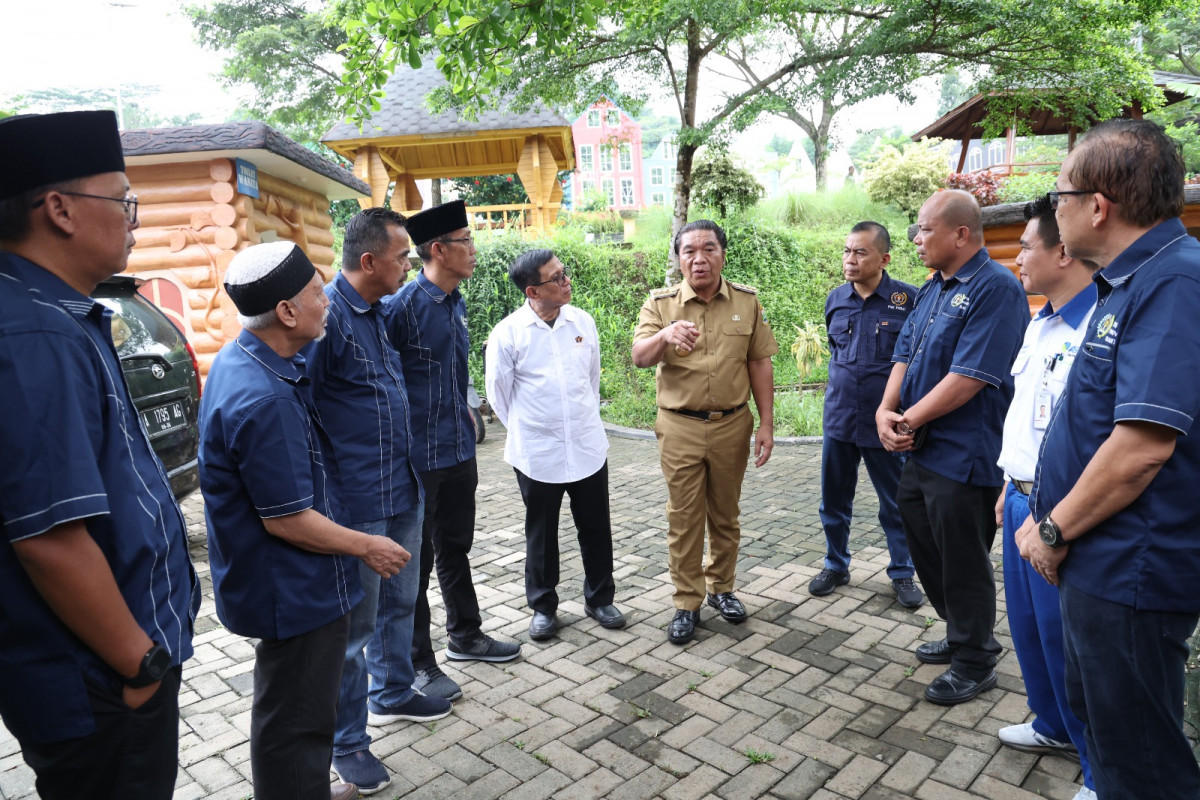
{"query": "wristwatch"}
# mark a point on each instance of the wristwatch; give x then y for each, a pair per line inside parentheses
(1051, 534)
(154, 666)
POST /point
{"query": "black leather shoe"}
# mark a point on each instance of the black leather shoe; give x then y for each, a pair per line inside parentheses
(934, 652)
(542, 626)
(950, 688)
(730, 607)
(683, 626)
(608, 616)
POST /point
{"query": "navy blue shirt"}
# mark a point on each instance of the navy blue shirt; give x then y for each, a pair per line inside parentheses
(973, 325)
(264, 454)
(358, 388)
(1139, 361)
(862, 338)
(429, 329)
(74, 449)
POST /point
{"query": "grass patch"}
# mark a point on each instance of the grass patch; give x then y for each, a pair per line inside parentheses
(759, 756)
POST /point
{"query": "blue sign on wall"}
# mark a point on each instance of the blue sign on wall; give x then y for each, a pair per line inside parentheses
(247, 178)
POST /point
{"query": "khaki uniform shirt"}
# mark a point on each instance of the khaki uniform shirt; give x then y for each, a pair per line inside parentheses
(733, 330)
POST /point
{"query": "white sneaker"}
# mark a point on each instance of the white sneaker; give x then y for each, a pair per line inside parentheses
(1085, 793)
(1026, 739)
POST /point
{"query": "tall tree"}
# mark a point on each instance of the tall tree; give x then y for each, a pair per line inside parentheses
(567, 52)
(129, 101)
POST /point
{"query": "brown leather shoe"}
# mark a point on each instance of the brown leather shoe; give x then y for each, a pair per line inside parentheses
(343, 791)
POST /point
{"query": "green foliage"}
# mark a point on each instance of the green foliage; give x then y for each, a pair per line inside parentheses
(905, 179)
(870, 143)
(720, 184)
(490, 190)
(1186, 134)
(780, 146)
(808, 348)
(594, 221)
(285, 51)
(759, 756)
(954, 91)
(1023, 188)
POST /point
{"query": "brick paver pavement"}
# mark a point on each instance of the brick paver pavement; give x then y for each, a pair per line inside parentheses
(810, 698)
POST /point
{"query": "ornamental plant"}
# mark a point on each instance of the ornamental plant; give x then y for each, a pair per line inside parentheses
(983, 186)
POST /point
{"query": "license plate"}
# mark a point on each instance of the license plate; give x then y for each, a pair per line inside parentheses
(164, 418)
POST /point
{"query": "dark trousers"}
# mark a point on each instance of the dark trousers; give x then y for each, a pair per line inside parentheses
(589, 508)
(446, 538)
(296, 682)
(839, 480)
(950, 528)
(1125, 680)
(132, 752)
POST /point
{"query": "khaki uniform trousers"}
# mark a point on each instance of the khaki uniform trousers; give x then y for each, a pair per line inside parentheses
(703, 463)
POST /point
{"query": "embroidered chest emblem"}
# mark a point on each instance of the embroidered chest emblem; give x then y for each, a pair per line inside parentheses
(1105, 325)
(578, 340)
(737, 318)
(463, 319)
(959, 300)
(899, 298)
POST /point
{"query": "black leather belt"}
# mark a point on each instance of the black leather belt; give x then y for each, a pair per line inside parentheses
(707, 416)
(1024, 487)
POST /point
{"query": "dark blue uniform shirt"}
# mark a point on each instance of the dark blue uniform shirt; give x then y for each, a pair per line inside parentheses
(862, 338)
(358, 388)
(74, 449)
(973, 325)
(264, 454)
(1140, 360)
(429, 329)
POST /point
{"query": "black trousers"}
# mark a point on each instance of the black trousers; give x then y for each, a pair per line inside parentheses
(446, 538)
(589, 508)
(296, 683)
(950, 527)
(132, 752)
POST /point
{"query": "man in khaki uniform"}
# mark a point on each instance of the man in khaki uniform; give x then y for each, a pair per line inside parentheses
(713, 348)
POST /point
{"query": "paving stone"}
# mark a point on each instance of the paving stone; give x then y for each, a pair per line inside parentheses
(803, 781)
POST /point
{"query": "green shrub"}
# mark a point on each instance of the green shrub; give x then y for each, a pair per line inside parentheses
(1023, 188)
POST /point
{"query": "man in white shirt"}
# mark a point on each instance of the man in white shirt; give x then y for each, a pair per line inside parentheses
(543, 382)
(1040, 375)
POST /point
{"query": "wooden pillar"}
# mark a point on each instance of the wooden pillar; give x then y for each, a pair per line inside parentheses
(537, 171)
(1010, 147)
(406, 197)
(369, 168)
(962, 154)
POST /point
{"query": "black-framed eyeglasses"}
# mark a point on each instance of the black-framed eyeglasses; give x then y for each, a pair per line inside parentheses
(560, 278)
(130, 201)
(470, 239)
(1055, 195)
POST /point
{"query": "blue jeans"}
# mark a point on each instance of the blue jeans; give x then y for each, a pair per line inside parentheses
(382, 625)
(1125, 671)
(1035, 622)
(839, 478)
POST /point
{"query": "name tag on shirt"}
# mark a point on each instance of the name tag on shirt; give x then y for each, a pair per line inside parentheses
(1042, 409)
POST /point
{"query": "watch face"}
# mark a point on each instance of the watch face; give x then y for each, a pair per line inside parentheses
(1049, 532)
(158, 663)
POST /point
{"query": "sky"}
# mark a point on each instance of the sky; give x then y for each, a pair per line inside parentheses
(87, 44)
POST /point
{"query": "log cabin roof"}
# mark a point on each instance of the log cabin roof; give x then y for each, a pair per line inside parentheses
(268, 149)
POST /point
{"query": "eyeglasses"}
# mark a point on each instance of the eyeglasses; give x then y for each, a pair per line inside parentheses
(560, 279)
(1055, 195)
(130, 202)
(470, 239)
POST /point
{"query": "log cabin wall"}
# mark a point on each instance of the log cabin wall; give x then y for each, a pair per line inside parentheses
(193, 221)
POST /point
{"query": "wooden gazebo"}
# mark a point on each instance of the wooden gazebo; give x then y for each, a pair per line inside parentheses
(404, 143)
(965, 123)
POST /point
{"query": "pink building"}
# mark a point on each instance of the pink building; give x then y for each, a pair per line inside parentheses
(608, 157)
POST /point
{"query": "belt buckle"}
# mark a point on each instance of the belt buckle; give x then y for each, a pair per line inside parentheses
(713, 416)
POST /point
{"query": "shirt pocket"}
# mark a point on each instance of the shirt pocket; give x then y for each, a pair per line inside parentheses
(887, 331)
(843, 347)
(735, 340)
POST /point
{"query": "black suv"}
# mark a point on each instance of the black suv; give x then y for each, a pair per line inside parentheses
(164, 379)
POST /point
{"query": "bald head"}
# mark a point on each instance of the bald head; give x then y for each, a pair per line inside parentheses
(958, 209)
(949, 231)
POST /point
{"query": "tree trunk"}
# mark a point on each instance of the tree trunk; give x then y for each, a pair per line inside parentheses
(435, 192)
(686, 153)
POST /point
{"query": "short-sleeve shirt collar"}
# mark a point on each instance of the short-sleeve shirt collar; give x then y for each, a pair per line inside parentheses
(527, 316)
(687, 293)
(353, 299)
(434, 291)
(290, 370)
(1075, 311)
(55, 288)
(1137, 254)
(970, 269)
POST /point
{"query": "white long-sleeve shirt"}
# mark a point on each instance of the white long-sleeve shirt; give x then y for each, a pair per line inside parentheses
(544, 385)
